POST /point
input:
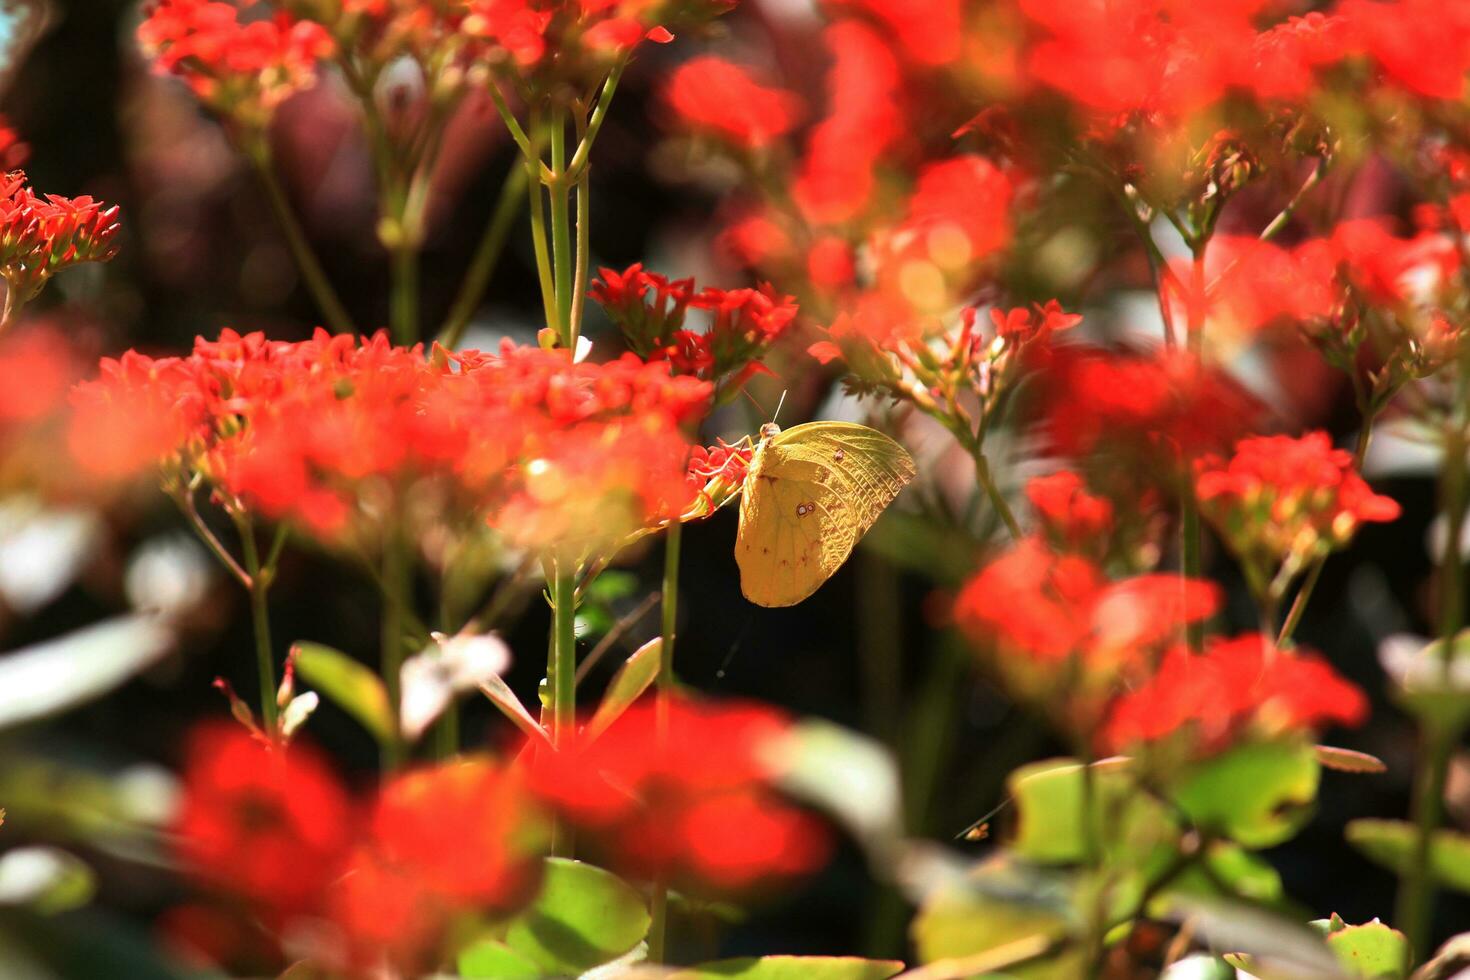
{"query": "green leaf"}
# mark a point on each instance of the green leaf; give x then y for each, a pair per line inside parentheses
(493, 960)
(1429, 681)
(1258, 794)
(351, 685)
(792, 968)
(583, 917)
(45, 879)
(50, 677)
(632, 679)
(500, 695)
(1391, 843)
(1049, 823)
(1372, 950)
(997, 907)
(1349, 760)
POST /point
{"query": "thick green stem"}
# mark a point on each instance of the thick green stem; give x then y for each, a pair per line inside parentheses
(559, 193)
(312, 273)
(404, 295)
(561, 675)
(487, 256)
(260, 585)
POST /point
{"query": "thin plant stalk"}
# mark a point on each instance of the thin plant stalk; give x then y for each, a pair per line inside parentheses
(559, 197)
(396, 582)
(260, 623)
(670, 614)
(312, 273)
(487, 256)
(561, 675)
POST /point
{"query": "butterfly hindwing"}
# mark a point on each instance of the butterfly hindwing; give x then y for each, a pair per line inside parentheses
(811, 493)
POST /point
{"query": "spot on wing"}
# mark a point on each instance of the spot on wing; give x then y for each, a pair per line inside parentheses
(839, 455)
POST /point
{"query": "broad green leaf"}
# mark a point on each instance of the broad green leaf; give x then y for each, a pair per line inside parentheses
(45, 879)
(500, 695)
(1258, 794)
(1392, 842)
(1049, 823)
(493, 960)
(1372, 950)
(55, 675)
(999, 906)
(352, 686)
(1349, 760)
(632, 679)
(582, 917)
(792, 968)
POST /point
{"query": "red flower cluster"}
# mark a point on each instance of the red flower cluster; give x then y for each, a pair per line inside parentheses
(1244, 684)
(1054, 623)
(1160, 410)
(1072, 518)
(651, 310)
(237, 65)
(687, 796)
(1285, 499)
(271, 824)
(715, 97)
(330, 431)
(1020, 325)
(40, 236)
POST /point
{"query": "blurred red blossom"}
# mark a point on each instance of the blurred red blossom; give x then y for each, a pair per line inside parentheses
(687, 794)
(269, 823)
(1072, 518)
(1210, 699)
(714, 96)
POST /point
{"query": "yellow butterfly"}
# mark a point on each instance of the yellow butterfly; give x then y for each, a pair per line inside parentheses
(810, 494)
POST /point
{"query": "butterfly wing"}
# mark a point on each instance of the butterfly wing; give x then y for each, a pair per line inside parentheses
(811, 493)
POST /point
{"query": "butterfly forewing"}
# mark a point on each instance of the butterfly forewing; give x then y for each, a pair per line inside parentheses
(812, 492)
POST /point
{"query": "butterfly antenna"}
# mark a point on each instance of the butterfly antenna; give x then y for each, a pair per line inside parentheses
(778, 406)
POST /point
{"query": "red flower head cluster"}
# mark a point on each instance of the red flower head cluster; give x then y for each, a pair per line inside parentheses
(1161, 411)
(1054, 624)
(461, 836)
(1282, 499)
(40, 236)
(270, 824)
(1072, 518)
(687, 796)
(1234, 688)
(716, 475)
(239, 66)
(330, 431)
(651, 310)
(1021, 325)
(720, 99)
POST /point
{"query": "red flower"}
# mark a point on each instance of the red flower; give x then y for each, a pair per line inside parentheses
(1212, 698)
(268, 823)
(714, 96)
(40, 237)
(690, 798)
(1073, 518)
(1280, 498)
(239, 68)
(1019, 326)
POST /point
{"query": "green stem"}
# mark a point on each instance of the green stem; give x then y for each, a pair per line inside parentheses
(561, 675)
(404, 295)
(584, 258)
(487, 256)
(558, 192)
(312, 273)
(997, 499)
(260, 584)
(670, 614)
(538, 242)
(1416, 890)
(1190, 559)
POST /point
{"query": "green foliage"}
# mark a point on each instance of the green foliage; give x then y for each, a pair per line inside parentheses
(350, 685)
(792, 968)
(1258, 794)
(631, 680)
(1373, 950)
(583, 917)
(45, 880)
(491, 959)
(1391, 843)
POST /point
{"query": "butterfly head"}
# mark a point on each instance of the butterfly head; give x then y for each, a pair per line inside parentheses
(770, 430)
